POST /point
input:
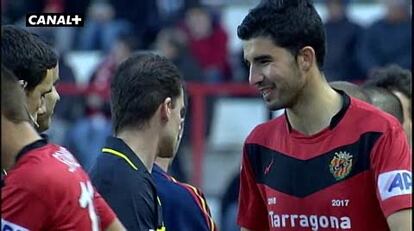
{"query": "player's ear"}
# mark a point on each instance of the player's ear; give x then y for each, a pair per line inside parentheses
(306, 58)
(165, 109)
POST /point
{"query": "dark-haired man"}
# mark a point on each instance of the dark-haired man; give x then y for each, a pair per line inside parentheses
(399, 82)
(332, 161)
(147, 110)
(44, 187)
(35, 64)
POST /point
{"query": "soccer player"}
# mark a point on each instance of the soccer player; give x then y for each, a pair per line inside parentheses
(19, 49)
(44, 187)
(146, 105)
(331, 162)
(34, 63)
(399, 82)
(184, 207)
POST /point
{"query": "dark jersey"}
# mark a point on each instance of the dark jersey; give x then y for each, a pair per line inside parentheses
(350, 176)
(184, 206)
(48, 190)
(125, 183)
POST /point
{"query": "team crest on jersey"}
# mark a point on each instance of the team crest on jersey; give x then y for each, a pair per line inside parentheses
(341, 165)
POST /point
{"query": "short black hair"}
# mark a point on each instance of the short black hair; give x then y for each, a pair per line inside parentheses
(26, 55)
(291, 24)
(392, 77)
(140, 85)
(13, 99)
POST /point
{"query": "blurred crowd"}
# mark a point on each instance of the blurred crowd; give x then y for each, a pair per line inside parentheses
(192, 35)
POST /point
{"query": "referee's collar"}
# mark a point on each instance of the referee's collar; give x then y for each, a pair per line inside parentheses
(117, 147)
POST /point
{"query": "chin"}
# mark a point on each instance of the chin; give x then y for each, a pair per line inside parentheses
(43, 125)
(274, 106)
(166, 152)
(166, 155)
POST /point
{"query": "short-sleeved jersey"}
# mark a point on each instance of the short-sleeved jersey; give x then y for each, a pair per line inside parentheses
(184, 206)
(48, 190)
(126, 184)
(350, 176)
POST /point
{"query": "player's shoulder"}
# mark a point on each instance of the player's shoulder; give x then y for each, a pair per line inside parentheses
(371, 118)
(49, 167)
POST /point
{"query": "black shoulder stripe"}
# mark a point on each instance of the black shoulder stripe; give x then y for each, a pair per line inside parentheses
(301, 178)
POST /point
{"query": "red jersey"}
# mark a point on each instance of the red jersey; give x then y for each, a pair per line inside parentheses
(350, 176)
(48, 190)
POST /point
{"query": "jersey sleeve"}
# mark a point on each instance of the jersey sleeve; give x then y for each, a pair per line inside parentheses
(201, 202)
(21, 209)
(391, 163)
(105, 213)
(252, 209)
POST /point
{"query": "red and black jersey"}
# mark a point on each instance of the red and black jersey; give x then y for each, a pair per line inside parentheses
(48, 190)
(350, 176)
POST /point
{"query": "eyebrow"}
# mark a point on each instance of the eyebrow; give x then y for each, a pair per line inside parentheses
(262, 57)
(47, 92)
(259, 58)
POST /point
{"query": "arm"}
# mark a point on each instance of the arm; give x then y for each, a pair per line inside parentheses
(108, 219)
(252, 211)
(391, 162)
(115, 226)
(400, 221)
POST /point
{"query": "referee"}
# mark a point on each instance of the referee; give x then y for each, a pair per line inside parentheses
(147, 98)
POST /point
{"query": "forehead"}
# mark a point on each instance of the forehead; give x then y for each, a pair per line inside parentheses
(261, 46)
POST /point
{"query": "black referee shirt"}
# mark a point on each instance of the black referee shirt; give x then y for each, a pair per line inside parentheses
(127, 186)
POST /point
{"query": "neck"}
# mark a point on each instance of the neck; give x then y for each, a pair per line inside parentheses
(18, 136)
(164, 163)
(315, 107)
(144, 144)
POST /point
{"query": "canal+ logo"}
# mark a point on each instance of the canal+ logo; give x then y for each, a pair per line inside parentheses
(53, 20)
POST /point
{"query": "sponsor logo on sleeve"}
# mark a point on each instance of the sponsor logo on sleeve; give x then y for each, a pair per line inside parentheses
(9, 226)
(394, 183)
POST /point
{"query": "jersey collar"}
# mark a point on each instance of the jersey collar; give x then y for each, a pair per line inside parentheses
(37, 144)
(117, 147)
(346, 101)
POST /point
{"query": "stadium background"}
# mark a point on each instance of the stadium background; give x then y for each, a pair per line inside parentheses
(223, 108)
